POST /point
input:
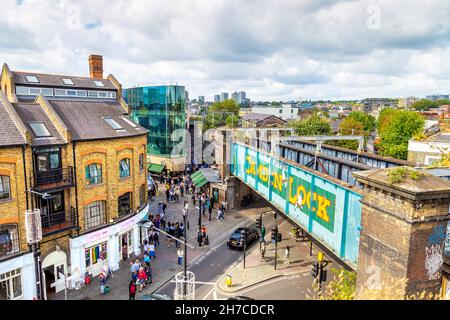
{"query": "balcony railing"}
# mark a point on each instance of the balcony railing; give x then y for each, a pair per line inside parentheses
(58, 221)
(54, 179)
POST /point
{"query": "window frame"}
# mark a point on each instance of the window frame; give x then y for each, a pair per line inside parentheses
(141, 162)
(92, 221)
(13, 236)
(3, 184)
(35, 133)
(126, 161)
(31, 78)
(8, 278)
(97, 178)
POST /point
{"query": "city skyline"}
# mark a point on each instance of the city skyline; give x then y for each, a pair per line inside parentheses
(314, 50)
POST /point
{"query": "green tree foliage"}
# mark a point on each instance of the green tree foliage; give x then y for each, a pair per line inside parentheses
(425, 104)
(350, 126)
(396, 128)
(218, 114)
(343, 287)
(311, 126)
(367, 121)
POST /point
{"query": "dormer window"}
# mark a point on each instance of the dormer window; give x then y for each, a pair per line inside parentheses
(68, 82)
(99, 84)
(32, 79)
(131, 123)
(39, 129)
(113, 124)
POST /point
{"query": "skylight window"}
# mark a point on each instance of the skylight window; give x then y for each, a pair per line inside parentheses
(99, 84)
(32, 79)
(131, 123)
(68, 81)
(39, 129)
(113, 124)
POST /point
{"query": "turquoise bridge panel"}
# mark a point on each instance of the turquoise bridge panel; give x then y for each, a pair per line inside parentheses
(330, 212)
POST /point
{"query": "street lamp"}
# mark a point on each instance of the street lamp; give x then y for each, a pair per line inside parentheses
(34, 236)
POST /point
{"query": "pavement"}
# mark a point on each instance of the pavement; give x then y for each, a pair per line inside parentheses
(164, 267)
(259, 271)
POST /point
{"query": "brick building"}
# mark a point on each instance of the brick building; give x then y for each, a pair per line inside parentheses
(68, 138)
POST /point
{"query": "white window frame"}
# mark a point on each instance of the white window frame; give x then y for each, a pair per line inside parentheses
(8, 277)
(68, 81)
(32, 78)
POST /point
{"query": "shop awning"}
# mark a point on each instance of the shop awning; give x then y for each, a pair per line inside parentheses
(156, 168)
(204, 176)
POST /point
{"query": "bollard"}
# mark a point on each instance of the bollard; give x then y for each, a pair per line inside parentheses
(188, 225)
(228, 281)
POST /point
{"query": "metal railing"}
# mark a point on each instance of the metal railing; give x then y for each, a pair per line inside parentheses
(58, 221)
(44, 180)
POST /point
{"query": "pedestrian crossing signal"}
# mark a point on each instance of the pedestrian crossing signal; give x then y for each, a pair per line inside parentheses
(258, 223)
(274, 234)
(315, 270)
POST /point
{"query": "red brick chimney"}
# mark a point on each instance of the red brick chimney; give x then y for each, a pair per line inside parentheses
(96, 66)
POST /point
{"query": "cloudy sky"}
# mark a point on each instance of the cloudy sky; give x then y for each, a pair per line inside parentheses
(273, 50)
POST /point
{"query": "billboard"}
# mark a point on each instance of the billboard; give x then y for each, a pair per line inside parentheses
(326, 209)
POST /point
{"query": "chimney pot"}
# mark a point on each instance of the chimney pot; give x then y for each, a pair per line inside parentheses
(96, 66)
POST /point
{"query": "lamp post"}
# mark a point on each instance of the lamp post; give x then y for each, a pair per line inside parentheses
(34, 236)
(185, 255)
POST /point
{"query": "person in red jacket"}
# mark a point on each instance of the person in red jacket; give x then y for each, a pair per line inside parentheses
(132, 290)
(142, 278)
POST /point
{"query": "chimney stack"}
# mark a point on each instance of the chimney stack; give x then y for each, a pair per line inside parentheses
(96, 66)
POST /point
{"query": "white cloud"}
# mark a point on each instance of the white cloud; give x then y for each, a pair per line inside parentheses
(274, 50)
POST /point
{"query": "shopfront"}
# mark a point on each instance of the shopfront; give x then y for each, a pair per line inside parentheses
(111, 245)
(17, 278)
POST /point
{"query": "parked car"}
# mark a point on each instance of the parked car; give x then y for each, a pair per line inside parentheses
(236, 242)
(154, 296)
(240, 298)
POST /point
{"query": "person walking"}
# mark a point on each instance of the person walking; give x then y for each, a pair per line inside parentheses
(210, 207)
(263, 251)
(186, 208)
(203, 229)
(152, 251)
(286, 255)
(148, 272)
(132, 290)
(156, 239)
(180, 254)
(199, 237)
(220, 215)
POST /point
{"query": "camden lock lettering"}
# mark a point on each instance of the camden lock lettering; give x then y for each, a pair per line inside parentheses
(320, 203)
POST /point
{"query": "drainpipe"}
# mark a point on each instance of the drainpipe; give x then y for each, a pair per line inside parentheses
(25, 175)
(76, 185)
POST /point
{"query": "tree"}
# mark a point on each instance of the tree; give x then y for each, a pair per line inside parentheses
(425, 104)
(312, 126)
(367, 121)
(219, 113)
(350, 126)
(396, 128)
(343, 287)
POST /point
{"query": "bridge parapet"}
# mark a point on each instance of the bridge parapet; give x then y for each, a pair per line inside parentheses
(403, 234)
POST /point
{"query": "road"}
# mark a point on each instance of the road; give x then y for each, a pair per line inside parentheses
(208, 268)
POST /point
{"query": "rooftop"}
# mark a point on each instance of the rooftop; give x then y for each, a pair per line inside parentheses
(31, 113)
(53, 80)
(86, 119)
(9, 133)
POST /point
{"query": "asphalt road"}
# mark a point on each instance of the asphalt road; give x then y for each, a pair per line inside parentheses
(208, 268)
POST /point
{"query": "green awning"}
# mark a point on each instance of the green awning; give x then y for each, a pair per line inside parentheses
(156, 168)
(198, 179)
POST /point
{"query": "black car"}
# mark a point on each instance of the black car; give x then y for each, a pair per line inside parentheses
(235, 240)
(240, 298)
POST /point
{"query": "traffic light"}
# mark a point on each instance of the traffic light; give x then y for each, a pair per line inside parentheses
(279, 237)
(323, 275)
(315, 269)
(274, 234)
(258, 223)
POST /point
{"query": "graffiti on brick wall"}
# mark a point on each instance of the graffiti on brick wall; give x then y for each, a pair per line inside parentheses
(434, 259)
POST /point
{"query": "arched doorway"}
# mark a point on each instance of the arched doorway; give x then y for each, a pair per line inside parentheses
(52, 265)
